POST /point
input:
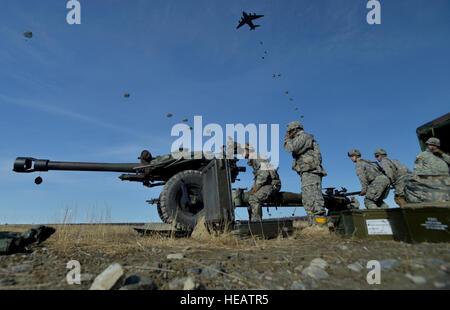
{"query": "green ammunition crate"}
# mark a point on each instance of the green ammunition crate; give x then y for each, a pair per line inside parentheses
(384, 224)
(427, 224)
(418, 224)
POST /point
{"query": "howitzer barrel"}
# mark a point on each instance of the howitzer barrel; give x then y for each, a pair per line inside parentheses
(29, 164)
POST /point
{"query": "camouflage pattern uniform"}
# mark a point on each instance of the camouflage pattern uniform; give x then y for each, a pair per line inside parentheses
(395, 171)
(308, 164)
(429, 163)
(374, 183)
(431, 182)
(15, 242)
(266, 183)
(421, 188)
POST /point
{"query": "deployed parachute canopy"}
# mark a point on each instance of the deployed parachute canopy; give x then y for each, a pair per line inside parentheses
(27, 34)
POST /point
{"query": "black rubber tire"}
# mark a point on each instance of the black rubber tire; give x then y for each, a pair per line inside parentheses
(170, 207)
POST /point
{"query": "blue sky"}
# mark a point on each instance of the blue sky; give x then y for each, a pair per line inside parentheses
(61, 93)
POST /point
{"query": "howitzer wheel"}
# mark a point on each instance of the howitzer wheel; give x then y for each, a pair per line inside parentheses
(181, 201)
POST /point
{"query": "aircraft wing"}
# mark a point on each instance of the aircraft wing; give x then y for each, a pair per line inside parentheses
(252, 17)
(241, 23)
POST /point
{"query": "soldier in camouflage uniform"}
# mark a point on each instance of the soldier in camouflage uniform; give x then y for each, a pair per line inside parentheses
(432, 161)
(308, 164)
(266, 181)
(397, 174)
(375, 184)
(16, 242)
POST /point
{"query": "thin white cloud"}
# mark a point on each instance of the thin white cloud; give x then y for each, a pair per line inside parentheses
(64, 112)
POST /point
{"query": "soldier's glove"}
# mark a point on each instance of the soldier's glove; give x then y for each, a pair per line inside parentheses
(363, 193)
(290, 135)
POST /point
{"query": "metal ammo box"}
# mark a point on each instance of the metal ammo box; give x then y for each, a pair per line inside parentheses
(413, 224)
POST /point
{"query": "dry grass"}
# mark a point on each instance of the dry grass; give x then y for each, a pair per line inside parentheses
(303, 230)
(114, 239)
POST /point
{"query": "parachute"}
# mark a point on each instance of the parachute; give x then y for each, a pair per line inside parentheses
(27, 34)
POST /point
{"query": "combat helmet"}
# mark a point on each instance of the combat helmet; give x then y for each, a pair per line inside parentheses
(294, 125)
(380, 152)
(434, 141)
(354, 153)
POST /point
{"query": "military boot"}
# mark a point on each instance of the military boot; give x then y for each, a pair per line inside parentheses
(370, 205)
(384, 205)
(255, 214)
(320, 220)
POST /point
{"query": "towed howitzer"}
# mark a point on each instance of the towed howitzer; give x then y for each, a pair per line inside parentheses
(179, 173)
(149, 170)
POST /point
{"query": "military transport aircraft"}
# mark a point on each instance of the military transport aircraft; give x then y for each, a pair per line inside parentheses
(247, 19)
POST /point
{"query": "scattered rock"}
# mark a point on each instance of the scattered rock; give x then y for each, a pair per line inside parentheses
(318, 262)
(315, 273)
(285, 272)
(439, 285)
(415, 266)
(212, 271)
(299, 268)
(110, 278)
(189, 284)
(138, 283)
(85, 277)
(355, 267)
(7, 282)
(175, 256)
(195, 270)
(416, 279)
(388, 264)
(343, 247)
(445, 267)
(187, 248)
(183, 283)
(435, 261)
(299, 285)
(21, 268)
(176, 283)
(312, 283)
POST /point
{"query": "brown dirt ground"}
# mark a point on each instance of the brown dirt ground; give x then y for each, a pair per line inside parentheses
(248, 263)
